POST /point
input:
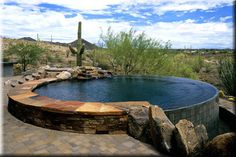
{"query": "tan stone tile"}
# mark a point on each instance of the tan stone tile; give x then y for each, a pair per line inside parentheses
(64, 105)
(90, 107)
(24, 95)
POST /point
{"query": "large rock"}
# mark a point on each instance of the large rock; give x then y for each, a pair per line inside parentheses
(21, 81)
(44, 67)
(36, 76)
(138, 124)
(64, 75)
(161, 129)
(8, 82)
(52, 74)
(29, 78)
(202, 135)
(186, 140)
(223, 145)
(14, 83)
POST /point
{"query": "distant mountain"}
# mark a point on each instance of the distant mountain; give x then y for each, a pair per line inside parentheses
(27, 38)
(88, 45)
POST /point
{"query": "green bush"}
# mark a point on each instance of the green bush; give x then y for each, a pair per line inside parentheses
(197, 63)
(131, 53)
(27, 53)
(178, 65)
(227, 74)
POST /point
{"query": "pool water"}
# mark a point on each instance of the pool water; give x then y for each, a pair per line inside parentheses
(167, 92)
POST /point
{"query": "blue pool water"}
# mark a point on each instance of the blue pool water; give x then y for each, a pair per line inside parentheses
(167, 92)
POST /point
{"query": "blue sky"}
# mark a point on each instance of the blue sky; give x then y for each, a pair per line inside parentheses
(185, 23)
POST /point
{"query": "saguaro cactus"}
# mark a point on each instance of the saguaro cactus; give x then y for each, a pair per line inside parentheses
(80, 47)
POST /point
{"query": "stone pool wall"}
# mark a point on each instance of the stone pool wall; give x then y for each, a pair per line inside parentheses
(68, 121)
(74, 116)
(206, 113)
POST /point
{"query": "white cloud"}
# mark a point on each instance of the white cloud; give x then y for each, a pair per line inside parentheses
(19, 22)
(223, 19)
(161, 6)
(190, 21)
(189, 5)
(79, 4)
(197, 35)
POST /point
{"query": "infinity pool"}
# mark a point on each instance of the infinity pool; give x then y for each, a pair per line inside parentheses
(167, 92)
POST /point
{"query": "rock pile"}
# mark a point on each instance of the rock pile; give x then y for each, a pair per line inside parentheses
(138, 124)
(182, 139)
(79, 72)
(189, 140)
(161, 129)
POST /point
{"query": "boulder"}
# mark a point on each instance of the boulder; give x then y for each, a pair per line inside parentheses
(14, 83)
(100, 71)
(8, 82)
(42, 73)
(186, 139)
(21, 81)
(202, 135)
(44, 67)
(223, 145)
(161, 129)
(36, 76)
(52, 74)
(64, 75)
(74, 74)
(29, 78)
(89, 68)
(138, 124)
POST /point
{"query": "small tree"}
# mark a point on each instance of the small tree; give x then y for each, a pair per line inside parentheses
(27, 53)
(130, 51)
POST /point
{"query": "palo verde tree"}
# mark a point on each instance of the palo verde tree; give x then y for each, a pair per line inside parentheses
(130, 52)
(80, 47)
(26, 53)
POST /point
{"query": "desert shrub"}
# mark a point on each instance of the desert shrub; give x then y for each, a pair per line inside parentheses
(131, 53)
(178, 65)
(17, 69)
(227, 74)
(100, 58)
(27, 53)
(197, 63)
(208, 67)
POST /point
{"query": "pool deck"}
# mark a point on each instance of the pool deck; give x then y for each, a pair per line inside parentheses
(20, 138)
(228, 105)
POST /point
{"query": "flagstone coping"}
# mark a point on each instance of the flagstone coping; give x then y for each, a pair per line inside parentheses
(24, 95)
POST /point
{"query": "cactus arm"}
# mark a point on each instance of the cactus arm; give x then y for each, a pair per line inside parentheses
(82, 49)
(72, 50)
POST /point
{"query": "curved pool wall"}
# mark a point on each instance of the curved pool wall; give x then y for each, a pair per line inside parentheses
(51, 113)
(204, 112)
